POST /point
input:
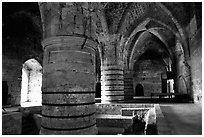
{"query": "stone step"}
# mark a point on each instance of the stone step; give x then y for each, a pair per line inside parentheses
(116, 121)
(133, 111)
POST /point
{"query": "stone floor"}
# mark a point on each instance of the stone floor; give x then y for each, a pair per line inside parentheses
(183, 118)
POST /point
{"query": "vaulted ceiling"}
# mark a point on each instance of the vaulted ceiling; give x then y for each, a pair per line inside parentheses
(163, 22)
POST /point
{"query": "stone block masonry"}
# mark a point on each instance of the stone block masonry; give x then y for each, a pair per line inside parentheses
(12, 123)
(112, 83)
(68, 99)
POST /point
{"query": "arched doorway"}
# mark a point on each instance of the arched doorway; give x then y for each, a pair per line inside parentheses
(139, 90)
(31, 94)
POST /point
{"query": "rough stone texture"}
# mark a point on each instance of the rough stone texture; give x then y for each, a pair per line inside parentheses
(196, 66)
(112, 83)
(118, 121)
(148, 73)
(66, 18)
(134, 111)
(110, 116)
(128, 85)
(68, 111)
(68, 97)
(11, 72)
(112, 27)
(92, 130)
(116, 108)
(62, 99)
(68, 123)
(131, 117)
(87, 131)
(182, 78)
(67, 71)
(34, 86)
(111, 68)
(12, 123)
(38, 119)
(21, 37)
(31, 110)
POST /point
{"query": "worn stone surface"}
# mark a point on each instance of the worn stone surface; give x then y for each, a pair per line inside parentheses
(73, 98)
(196, 67)
(116, 108)
(12, 123)
(148, 73)
(68, 97)
(31, 110)
(133, 111)
(114, 121)
(182, 119)
(79, 110)
(11, 72)
(112, 83)
(122, 31)
(64, 123)
(128, 85)
(87, 131)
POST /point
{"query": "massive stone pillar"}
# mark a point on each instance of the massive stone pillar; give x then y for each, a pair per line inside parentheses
(182, 71)
(112, 83)
(68, 97)
(128, 85)
(112, 79)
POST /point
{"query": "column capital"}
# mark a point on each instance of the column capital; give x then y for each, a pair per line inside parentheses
(71, 40)
(109, 39)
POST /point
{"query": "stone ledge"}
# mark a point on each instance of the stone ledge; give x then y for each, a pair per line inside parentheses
(115, 108)
(116, 121)
(132, 111)
(30, 110)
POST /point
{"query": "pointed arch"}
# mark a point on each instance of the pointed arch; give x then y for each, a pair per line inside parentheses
(31, 94)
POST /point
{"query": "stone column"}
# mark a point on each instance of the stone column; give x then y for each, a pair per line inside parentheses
(112, 80)
(112, 83)
(128, 85)
(182, 71)
(68, 97)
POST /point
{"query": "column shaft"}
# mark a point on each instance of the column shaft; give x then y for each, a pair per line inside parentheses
(112, 83)
(128, 85)
(68, 98)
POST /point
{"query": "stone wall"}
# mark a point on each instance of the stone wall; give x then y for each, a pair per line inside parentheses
(11, 72)
(12, 123)
(34, 88)
(196, 65)
(148, 74)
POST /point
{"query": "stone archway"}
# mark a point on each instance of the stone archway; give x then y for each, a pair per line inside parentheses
(31, 94)
(139, 90)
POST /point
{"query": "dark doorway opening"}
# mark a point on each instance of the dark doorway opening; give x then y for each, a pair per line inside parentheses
(98, 90)
(4, 92)
(139, 90)
(164, 85)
